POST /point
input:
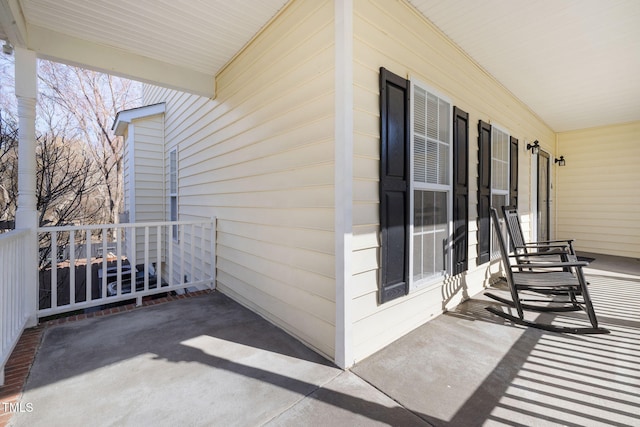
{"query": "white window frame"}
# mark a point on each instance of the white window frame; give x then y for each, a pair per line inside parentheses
(413, 284)
(173, 191)
(494, 250)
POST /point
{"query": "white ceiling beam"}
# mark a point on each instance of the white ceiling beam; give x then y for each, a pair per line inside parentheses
(70, 50)
(13, 23)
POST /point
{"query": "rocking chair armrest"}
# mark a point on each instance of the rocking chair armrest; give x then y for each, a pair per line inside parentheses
(545, 245)
(567, 241)
(552, 265)
(525, 258)
(538, 254)
(564, 248)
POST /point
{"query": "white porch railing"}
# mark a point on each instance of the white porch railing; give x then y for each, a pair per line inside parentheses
(13, 310)
(89, 266)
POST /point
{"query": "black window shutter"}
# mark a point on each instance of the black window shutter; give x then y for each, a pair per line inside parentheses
(460, 190)
(513, 177)
(484, 192)
(394, 186)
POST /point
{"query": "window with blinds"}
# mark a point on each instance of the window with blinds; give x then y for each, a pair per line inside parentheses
(431, 184)
(500, 144)
(499, 160)
(431, 138)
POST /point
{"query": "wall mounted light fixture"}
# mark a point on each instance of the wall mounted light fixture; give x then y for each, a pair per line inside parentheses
(560, 160)
(7, 49)
(534, 147)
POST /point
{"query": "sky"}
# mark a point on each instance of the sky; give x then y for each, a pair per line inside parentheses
(8, 103)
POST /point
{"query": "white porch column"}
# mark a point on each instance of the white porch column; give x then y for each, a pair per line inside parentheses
(344, 126)
(26, 214)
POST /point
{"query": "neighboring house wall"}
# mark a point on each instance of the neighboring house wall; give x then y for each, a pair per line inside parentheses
(394, 36)
(259, 157)
(144, 180)
(149, 192)
(149, 153)
(598, 190)
(126, 177)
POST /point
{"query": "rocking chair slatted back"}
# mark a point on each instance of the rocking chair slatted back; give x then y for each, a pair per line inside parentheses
(562, 248)
(515, 228)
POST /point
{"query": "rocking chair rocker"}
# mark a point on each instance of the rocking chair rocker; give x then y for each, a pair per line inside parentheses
(563, 283)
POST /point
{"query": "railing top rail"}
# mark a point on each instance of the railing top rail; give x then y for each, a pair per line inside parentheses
(13, 234)
(123, 225)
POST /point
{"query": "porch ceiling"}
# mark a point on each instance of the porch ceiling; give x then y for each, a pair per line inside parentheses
(575, 63)
(181, 45)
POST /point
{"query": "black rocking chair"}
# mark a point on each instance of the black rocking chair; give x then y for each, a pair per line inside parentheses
(540, 251)
(562, 284)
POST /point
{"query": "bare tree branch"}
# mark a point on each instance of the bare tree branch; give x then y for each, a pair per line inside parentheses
(79, 159)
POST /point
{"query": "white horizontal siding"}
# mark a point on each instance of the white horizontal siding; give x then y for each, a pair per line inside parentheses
(395, 36)
(260, 158)
(126, 174)
(149, 170)
(148, 146)
(598, 195)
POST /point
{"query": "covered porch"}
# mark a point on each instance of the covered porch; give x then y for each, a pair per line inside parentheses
(186, 47)
(144, 353)
(208, 361)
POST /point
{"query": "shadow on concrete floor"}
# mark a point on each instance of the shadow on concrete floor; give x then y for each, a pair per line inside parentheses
(200, 361)
(208, 361)
(470, 368)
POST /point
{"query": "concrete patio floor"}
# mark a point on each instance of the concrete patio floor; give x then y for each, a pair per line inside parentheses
(208, 361)
(469, 367)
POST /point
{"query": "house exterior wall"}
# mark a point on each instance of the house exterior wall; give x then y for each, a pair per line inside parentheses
(393, 35)
(149, 173)
(598, 194)
(259, 157)
(144, 179)
(127, 183)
